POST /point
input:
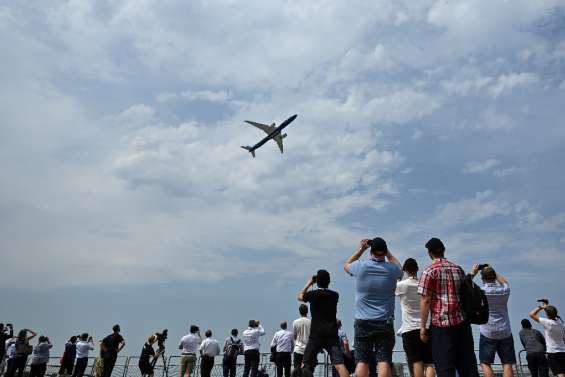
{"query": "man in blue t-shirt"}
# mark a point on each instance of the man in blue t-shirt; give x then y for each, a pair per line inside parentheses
(375, 286)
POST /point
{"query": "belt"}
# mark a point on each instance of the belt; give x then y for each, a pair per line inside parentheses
(188, 354)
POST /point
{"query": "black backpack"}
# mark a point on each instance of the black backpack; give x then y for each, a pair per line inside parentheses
(233, 349)
(473, 301)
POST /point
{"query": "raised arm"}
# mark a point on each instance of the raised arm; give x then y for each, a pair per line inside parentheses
(32, 335)
(356, 255)
(301, 294)
(501, 279)
(392, 259)
(260, 329)
(534, 314)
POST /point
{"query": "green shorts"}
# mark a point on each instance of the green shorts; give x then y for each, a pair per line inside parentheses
(187, 363)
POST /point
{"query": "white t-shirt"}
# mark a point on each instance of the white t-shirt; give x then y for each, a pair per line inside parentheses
(554, 332)
(190, 343)
(301, 330)
(82, 349)
(407, 290)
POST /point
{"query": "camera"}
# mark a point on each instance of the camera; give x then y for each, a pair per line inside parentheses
(161, 338)
(315, 279)
(482, 266)
(370, 243)
(544, 301)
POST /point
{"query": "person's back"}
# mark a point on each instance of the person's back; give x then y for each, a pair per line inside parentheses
(532, 340)
(407, 291)
(534, 343)
(301, 333)
(40, 353)
(323, 306)
(498, 325)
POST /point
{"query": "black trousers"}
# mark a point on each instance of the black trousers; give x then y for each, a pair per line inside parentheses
(206, 365)
(251, 363)
(537, 364)
(37, 370)
(80, 367)
(283, 362)
(229, 366)
(19, 366)
(298, 358)
(108, 366)
(453, 349)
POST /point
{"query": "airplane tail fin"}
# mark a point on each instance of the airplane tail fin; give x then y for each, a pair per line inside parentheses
(249, 149)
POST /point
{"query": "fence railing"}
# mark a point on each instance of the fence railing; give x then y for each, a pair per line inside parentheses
(127, 366)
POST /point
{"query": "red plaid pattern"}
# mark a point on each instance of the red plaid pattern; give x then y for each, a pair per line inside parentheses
(442, 280)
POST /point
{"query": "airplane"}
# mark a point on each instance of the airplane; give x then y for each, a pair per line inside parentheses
(272, 133)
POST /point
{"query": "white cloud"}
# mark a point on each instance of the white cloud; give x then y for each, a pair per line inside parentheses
(480, 166)
(200, 95)
(506, 83)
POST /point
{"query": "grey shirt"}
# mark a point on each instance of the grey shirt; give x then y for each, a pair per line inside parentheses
(41, 353)
(532, 340)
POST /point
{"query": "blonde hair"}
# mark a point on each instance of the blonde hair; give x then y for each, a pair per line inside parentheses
(152, 339)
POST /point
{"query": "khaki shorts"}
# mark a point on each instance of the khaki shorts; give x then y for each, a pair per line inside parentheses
(187, 363)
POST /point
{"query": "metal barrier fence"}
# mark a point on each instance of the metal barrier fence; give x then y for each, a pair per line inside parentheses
(127, 366)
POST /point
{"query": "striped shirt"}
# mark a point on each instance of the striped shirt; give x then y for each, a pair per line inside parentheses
(441, 281)
(283, 340)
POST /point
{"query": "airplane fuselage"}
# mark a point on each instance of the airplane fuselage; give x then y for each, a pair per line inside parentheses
(277, 131)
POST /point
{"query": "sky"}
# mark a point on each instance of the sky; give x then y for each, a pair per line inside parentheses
(126, 197)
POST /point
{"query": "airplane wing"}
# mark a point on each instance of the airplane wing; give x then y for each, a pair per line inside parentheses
(279, 141)
(268, 129)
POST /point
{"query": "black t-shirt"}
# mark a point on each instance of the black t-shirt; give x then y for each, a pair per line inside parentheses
(3, 338)
(323, 306)
(70, 352)
(146, 352)
(112, 343)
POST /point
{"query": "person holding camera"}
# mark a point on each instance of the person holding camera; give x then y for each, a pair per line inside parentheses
(148, 357)
(69, 356)
(83, 347)
(534, 343)
(554, 336)
(283, 343)
(110, 347)
(450, 332)
(209, 349)
(189, 345)
(375, 285)
(251, 347)
(418, 353)
(40, 357)
(21, 350)
(232, 348)
(6, 333)
(323, 329)
(496, 335)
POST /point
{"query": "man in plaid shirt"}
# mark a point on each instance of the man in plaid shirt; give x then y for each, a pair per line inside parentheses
(450, 332)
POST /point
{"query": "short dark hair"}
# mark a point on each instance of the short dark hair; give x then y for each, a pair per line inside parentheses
(208, 333)
(410, 266)
(84, 336)
(251, 323)
(435, 247)
(283, 325)
(73, 339)
(323, 279)
(488, 274)
(526, 324)
(234, 332)
(116, 328)
(303, 310)
(194, 329)
(378, 246)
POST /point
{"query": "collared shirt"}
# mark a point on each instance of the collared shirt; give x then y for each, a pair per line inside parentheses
(190, 343)
(83, 348)
(442, 280)
(407, 291)
(251, 336)
(532, 340)
(498, 325)
(301, 330)
(283, 341)
(210, 347)
(375, 283)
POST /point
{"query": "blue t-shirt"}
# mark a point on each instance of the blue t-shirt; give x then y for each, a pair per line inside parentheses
(375, 285)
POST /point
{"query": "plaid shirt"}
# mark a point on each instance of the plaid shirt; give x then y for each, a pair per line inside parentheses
(441, 280)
